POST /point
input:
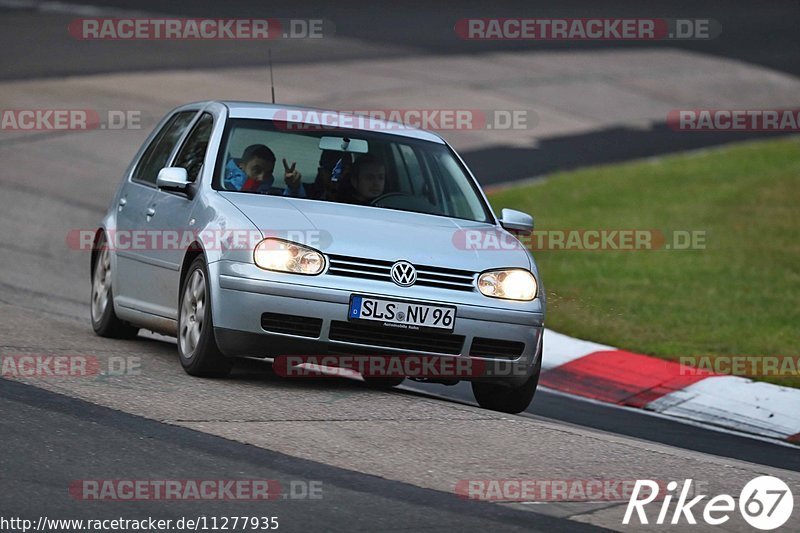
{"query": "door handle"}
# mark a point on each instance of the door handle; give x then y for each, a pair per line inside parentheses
(123, 202)
(150, 211)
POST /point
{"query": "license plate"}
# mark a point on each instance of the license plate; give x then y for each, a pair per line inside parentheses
(403, 314)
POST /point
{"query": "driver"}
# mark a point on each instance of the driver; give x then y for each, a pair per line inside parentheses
(367, 180)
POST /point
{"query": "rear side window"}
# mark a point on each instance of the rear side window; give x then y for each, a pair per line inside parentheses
(156, 155)
(193, 152)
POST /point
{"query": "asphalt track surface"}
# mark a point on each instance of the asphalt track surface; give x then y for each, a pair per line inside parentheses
(51, 437)
(36, 44)
(755, 32)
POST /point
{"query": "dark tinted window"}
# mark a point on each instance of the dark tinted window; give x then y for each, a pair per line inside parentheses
(193, 151)
(155, 157)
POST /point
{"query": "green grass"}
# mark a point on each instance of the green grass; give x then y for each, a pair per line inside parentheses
(739, 296)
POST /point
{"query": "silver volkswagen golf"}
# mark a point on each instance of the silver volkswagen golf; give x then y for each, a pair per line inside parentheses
(256, 230)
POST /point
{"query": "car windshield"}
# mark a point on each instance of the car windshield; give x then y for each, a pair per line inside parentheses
(378, 169)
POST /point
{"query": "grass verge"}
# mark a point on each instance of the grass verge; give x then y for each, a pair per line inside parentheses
(738, 296)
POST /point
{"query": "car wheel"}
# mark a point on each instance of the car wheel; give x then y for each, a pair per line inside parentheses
(200, 356)
(101, 308)
(383, 383)
(505, 399)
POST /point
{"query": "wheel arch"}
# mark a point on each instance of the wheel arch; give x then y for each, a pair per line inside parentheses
(194, 251)
(98, 234)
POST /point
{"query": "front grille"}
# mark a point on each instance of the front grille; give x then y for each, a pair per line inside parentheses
(302, 326)
(401, 339)
(496, 348)
(377, 269)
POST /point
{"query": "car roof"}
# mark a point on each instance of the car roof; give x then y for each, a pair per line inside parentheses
(264, 111)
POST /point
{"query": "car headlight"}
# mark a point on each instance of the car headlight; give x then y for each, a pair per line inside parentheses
(511, 284)
(286, 256)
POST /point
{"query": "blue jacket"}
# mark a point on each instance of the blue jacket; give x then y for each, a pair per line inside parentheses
(235, 179)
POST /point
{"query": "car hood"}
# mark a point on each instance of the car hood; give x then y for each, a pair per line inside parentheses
(377, 233)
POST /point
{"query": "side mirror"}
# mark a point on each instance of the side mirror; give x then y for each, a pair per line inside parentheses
(172, 179)
(514, 220)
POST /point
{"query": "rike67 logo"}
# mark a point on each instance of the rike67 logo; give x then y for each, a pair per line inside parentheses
(765, 503)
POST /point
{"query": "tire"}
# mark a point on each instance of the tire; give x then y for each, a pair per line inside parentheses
(383, 383)
(105, 322)
(505, 399)
(200, 356)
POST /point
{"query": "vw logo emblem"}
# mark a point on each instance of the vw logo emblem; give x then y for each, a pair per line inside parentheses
(404, 273)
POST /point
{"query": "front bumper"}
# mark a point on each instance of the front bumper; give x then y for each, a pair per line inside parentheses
(240, 296)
